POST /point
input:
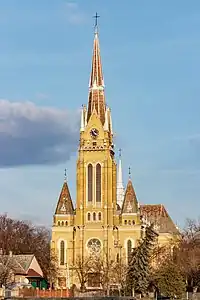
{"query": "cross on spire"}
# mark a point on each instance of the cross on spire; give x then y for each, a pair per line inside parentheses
(129, 172)
(65, 175)
(120, 152)
(96, 19)
(96, 85)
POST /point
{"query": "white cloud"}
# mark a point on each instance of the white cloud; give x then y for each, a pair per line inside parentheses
(31, 134)
(42, 96)
(72, 5)
(74, 14)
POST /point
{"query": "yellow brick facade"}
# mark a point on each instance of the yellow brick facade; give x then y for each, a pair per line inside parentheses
(97, 215)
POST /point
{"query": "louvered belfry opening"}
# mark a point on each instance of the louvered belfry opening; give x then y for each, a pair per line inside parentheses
(129, 249)
(90, 183)
(62, 253)
(98, 183)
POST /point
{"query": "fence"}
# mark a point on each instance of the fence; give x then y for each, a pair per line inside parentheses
(36, 293)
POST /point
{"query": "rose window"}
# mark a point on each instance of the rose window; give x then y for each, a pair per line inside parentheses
(94, 245)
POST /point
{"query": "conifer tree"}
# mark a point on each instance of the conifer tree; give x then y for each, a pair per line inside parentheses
(139, 265)
(169, 280)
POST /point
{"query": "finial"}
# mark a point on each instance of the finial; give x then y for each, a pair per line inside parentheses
(120, 153)
(96, 22)
(65, 175)
(129, 172)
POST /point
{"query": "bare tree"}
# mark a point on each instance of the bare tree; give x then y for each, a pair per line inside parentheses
(22, 237)
(96, 271)
(191, 229)
(82, 268)
(51, 267)
(7, 270)
(111, 273)
(186, 253)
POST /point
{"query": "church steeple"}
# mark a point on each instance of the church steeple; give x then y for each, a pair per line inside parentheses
(96, 86)
(130, 204)
(120, 187)
(65, 204)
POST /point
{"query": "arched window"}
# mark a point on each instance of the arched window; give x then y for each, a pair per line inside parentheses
(90, 183)
(99, 216)
(125, 222)
(62, 223)
(58, 223)
(129, 222)
(94, 216)
(66, 223)
(98, 183)
(129, 250)
(62, 253)
(133, 222)
(89, 216)
(117, 258)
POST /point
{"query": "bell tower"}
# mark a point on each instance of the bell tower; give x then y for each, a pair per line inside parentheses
(107, 220)
(96, 167)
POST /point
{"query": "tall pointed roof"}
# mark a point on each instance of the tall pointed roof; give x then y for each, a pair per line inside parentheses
(130, 204)
(65, 205)
(96, 76)
(96, 86)
(120, 186)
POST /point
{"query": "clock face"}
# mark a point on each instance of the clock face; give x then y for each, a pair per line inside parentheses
(94, 133)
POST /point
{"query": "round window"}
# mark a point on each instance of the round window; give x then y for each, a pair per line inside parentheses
(94, 245)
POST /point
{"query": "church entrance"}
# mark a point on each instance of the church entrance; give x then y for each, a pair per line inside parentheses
(94, 280)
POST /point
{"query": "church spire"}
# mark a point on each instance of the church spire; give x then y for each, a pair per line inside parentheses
(130, 204)
(120, 187)
(65, 204)
(96, 85)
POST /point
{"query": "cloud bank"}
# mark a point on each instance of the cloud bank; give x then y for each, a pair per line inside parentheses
(31, 135)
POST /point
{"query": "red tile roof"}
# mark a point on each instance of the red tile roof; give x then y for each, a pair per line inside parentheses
(157, 214)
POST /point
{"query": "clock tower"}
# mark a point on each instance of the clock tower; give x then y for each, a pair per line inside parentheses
(98, 222)
(96, 167)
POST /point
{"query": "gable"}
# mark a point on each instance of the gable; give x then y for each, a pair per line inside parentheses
(94, 122)
(35, 267)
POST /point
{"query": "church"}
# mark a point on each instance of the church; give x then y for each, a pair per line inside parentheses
(105, 216)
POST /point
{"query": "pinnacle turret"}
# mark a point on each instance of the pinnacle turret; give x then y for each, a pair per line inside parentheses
(130, 204)
(120, 187)
(65, 205)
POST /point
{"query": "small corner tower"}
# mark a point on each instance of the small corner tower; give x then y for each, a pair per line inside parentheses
(130, 208)
(64, 213)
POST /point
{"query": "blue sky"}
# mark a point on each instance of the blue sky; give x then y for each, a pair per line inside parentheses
(151, 62)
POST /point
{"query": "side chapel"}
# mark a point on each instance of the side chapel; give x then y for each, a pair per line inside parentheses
(106, 216)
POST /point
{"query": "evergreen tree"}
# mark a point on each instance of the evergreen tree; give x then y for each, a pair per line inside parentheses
(169, 280)
(139, 265)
